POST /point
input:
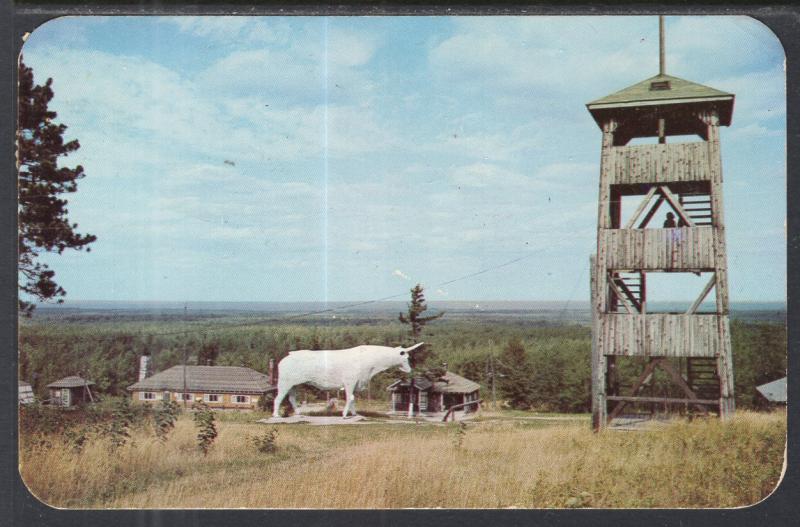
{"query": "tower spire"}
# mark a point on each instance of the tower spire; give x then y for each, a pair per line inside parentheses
(662, 63)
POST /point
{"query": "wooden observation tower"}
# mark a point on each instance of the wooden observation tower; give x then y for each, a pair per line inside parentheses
(691, 347)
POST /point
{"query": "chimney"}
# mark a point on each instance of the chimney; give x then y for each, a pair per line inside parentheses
(144, 367)
(271, 373)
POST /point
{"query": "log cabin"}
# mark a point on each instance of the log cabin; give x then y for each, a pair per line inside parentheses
(434, 397)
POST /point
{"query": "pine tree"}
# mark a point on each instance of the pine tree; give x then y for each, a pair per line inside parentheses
(416, 321)
(43, 222)
(516, 383)
(424, 354)
(415, 310)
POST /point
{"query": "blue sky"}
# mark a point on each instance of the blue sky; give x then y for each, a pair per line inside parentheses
(347, 158)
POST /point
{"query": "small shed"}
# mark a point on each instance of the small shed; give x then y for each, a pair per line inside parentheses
(70, 391)
(774, 392)
(433, 397)
(26, 393)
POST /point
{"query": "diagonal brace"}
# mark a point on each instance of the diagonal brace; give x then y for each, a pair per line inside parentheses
(703, 295)
(620, 296)
(643, 205)
(651, 212)
(673, 200)
(680, 381)
(643, 378)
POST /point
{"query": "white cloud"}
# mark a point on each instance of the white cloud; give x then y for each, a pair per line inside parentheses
(400, 274)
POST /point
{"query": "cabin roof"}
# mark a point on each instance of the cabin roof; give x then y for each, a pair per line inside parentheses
(449, 383)
(775, 391)
(214, 379)
(73, 381)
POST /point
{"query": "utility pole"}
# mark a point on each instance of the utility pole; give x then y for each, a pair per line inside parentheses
(183, 395)
(494, 383)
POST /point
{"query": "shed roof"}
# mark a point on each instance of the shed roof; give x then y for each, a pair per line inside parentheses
(775, 391)
(216, 379)
(449, 383)
(73, 381)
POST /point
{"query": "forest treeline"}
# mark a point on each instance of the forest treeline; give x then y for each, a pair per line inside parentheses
(536, 364)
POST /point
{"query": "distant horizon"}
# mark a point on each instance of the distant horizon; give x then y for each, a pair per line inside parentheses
(370, 302)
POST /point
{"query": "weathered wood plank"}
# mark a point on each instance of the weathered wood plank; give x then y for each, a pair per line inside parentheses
(659, 335)
(662, 163)
(681, 248)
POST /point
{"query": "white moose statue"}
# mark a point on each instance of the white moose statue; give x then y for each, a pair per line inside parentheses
(350, 369)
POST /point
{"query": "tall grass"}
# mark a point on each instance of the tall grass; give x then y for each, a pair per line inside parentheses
(499, 463)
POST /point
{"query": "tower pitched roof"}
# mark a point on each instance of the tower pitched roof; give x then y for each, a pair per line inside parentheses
(641, 105)
(661, 89)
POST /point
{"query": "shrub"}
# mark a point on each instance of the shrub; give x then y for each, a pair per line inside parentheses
(266, 443)
(76, 438)
(461, 434)
(164, 419)
(206, 429)
(117, 429)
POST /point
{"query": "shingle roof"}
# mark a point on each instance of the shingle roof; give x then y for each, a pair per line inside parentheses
(679, 90)
(453, 383)
(775, 391)
(420, 383)
(450, 383)
(209, 379)
(642, 104)
(73, 381)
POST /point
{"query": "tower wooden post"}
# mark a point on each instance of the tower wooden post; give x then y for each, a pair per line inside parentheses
(687, 179)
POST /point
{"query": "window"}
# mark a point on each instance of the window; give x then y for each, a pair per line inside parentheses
(423, 400)
(659, 85)
(212, 398)
(241, 399)
(184, 397)
(147, 396)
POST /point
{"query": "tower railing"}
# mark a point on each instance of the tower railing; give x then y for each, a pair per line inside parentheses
(659, 163)
(660, 334)
(673, 249)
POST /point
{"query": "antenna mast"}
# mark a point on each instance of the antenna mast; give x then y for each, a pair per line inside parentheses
(662, 63)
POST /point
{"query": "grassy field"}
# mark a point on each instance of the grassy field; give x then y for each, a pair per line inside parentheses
(497, 461)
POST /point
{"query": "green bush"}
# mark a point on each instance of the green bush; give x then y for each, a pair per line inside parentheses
(117, 428)
(206, 428)
(266, 442)
(164, 418)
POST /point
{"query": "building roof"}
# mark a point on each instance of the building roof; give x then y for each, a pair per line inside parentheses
(452, 383)
(73, 381)
(663, 94)
(208, 379)
(775, 391)
(677, 90)
(449, 383)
